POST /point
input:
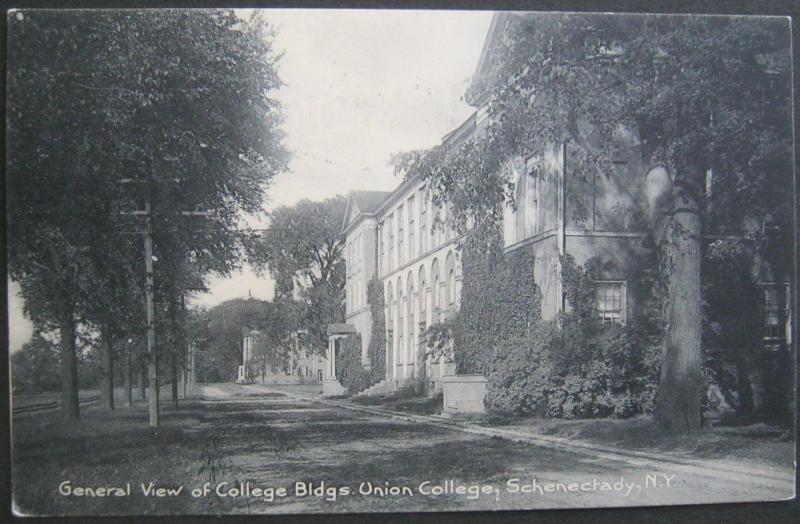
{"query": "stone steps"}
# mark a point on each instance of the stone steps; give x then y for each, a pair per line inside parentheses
(386, 387)
(381, 388)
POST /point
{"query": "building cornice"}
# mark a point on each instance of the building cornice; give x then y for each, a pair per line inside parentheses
(359, 218)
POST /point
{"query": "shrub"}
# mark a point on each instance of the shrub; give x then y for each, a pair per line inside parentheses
(581, 368)
(349, 371)
(349, 367)
(584, 369)
(519, 381)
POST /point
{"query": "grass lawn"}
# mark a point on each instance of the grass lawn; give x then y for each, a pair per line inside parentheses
(106, 448)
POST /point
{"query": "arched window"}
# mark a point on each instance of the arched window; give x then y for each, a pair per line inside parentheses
(459, 282)
(449, 297)
(435, 302)
(400, 318)
(389, 314)
(411, 327)
(422, 291)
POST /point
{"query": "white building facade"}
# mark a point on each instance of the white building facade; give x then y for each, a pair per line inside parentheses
(404, 241)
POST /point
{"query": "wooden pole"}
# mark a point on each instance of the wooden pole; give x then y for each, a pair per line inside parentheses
(151, 330)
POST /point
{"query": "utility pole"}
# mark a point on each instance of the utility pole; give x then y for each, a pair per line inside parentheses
(153, 389)
(152, 371)
(129, 374)
(193, 363)
(193, 375)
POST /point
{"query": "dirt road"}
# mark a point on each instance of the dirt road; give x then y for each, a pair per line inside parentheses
(385, 464)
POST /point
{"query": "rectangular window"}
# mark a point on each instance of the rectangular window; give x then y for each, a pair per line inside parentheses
(390, 261)
(776, 314)
(443, 236)
(382, 252)
(434, 227)
(400, 257)
(423, 220)
(610, 297)
(521, 208)
(412, 246)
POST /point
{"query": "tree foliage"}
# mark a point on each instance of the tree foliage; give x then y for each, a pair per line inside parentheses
(677, 84)
(579, 366)
(35, 367)
(302, 250)
(180, 101)
(222, 328)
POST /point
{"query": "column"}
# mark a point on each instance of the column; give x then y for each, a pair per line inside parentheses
(331, 355)
(395, 336)
(414, 335)
(387, 371)
(428, 315)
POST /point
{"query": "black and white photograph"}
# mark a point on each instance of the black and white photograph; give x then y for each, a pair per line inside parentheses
(328, 261)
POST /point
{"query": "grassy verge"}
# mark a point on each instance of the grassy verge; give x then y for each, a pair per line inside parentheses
(118, 448)
(418, 405)
(758, 443)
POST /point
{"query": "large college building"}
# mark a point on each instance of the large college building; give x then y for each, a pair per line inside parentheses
(398, 238)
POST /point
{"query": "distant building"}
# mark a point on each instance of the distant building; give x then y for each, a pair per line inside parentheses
(259, 364)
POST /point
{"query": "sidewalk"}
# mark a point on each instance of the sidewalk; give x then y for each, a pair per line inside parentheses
(780, 478)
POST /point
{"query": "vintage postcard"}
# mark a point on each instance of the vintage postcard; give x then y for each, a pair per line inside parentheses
(271, 261)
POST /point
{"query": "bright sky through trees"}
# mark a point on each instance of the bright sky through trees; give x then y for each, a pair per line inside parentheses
(360, 86)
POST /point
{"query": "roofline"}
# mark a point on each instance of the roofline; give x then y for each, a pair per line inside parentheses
(499, 16)
(347, 226)
(394, 195)
(486, 44)
(359, 218)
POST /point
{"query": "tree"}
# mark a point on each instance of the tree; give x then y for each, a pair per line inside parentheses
(35, 367)
(224, 327)
(575, 80)
(183, 96)
(303, 251)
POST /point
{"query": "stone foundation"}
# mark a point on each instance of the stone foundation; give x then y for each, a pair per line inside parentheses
(332, 388)
(464, 393)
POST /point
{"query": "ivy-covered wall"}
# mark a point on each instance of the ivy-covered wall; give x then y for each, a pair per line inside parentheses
(377, 343)
(349, 368)
(499, 298)
(578, 366)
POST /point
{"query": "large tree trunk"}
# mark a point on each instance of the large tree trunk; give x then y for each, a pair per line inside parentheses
(69, 369)
(141, 378)
(678, 402)
(177, 345)
(173, 370)
(107, 386)
(676, 227)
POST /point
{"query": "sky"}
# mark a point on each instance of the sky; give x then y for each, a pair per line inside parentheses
(359, 87)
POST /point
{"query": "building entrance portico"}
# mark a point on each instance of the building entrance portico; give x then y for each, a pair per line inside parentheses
(330, 384)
